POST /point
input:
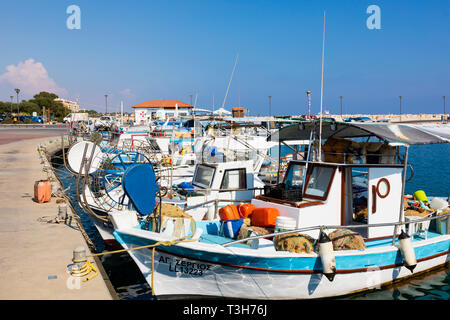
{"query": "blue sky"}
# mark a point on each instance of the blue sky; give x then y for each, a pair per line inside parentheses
(142, 50)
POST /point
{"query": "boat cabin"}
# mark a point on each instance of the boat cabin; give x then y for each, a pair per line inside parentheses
(322, 193)
(350, 180)
(230, 180)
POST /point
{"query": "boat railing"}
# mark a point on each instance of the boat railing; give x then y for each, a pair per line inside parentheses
(216, 202)
(351, 158)
(324, 227)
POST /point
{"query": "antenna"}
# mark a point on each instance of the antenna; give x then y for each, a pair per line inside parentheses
(229, 82)
(321, 90)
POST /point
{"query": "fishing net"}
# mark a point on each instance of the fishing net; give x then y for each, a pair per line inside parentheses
(294, 242)
(344, 239)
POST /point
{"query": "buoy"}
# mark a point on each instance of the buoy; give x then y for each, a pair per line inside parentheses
(326, 254)
(407, 250)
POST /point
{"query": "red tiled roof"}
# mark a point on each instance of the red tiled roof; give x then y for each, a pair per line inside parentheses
(162, 104)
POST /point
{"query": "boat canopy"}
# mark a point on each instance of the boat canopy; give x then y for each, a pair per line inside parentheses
(392, 133)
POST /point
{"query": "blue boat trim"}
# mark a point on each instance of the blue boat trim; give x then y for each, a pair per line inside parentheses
(344, 264)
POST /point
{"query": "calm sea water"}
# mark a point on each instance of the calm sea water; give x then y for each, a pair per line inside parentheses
(431, 174)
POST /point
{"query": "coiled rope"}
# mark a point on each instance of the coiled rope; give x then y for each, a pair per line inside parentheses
(88, 267)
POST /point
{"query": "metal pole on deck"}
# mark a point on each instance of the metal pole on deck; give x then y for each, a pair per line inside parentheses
(400, 217)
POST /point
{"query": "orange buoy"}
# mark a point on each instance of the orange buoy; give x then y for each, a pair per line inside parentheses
(228, 212)
(245, 209)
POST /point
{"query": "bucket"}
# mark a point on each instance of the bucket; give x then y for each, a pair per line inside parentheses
(438, 203)
(442, 225)
(285, 224)
(420, 195)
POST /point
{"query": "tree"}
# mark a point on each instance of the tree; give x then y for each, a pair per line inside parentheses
(47, 100)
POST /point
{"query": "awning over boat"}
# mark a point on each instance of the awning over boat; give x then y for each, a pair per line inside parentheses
(409, 134)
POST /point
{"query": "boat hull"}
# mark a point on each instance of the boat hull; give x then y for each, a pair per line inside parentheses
(177, 275)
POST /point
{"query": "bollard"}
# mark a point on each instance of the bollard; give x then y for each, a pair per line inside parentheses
(79, 256)
(62, 212)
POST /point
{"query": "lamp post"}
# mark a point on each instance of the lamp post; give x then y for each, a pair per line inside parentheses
(12, 97)
(270, 106)
(17, 92)
(444, 104)
(341, 106)
(106, 104)
(400, 108)
(308, 94)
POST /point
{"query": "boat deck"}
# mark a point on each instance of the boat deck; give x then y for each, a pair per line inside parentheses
(211, 235)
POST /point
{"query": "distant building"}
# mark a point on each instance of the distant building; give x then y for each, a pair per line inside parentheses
(161, 109)
(71, 105)
(238, 112)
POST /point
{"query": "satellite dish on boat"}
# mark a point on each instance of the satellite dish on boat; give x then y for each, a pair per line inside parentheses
(75, 156)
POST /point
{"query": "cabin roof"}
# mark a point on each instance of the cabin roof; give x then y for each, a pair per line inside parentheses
(390, 132)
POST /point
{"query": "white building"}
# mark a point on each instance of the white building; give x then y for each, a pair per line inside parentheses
(71, 105)
(161, 110)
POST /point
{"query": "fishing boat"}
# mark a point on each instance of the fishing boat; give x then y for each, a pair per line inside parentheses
(320, 197)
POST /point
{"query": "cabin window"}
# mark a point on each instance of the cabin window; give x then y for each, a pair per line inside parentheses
(294, 176)
(234, 179)
(319, 182)
(203, 176)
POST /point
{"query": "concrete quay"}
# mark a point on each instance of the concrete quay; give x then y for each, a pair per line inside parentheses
(34, 255)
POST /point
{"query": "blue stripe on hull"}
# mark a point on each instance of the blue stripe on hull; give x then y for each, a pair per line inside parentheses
(292, 264)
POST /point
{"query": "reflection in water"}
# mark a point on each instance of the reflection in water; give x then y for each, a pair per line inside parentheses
(433, 285)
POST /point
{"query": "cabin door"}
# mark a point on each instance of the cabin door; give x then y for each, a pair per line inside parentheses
(385, 185)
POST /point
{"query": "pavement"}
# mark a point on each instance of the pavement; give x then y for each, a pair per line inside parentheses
(10, 133)
(34, 255)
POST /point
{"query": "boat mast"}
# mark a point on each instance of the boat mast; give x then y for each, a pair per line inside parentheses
(321, 90)
(229, 82)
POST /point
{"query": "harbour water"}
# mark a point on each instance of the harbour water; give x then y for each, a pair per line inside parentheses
(431, 174)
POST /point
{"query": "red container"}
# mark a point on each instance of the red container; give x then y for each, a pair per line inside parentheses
(229, 212)
(42, 191)
(265, 217)
(245, 209)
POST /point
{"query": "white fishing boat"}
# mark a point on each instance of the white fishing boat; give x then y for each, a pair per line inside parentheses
(101, 192)
(318, 198)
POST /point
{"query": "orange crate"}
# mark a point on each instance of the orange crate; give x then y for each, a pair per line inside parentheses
(265, 217)
(42, 191)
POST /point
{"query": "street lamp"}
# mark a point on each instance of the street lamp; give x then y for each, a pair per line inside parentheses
(270, 106)
(17, 92)
(12, 97)
(341, 105)
(400, 108)
(444, 104)
(106, 104)
(308, 93)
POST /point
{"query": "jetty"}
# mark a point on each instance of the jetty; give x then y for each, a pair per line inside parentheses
(35, 252)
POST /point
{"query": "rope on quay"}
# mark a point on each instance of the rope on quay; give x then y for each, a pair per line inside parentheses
(87, 266)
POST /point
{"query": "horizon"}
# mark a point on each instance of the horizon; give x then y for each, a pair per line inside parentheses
(138, 51)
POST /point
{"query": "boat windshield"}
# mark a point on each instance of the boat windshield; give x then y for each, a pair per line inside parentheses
(319, 182)
(294, 176)
(203, 176)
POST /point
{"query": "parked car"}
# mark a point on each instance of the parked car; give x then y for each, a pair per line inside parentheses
(105, 122)
(89, 124)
